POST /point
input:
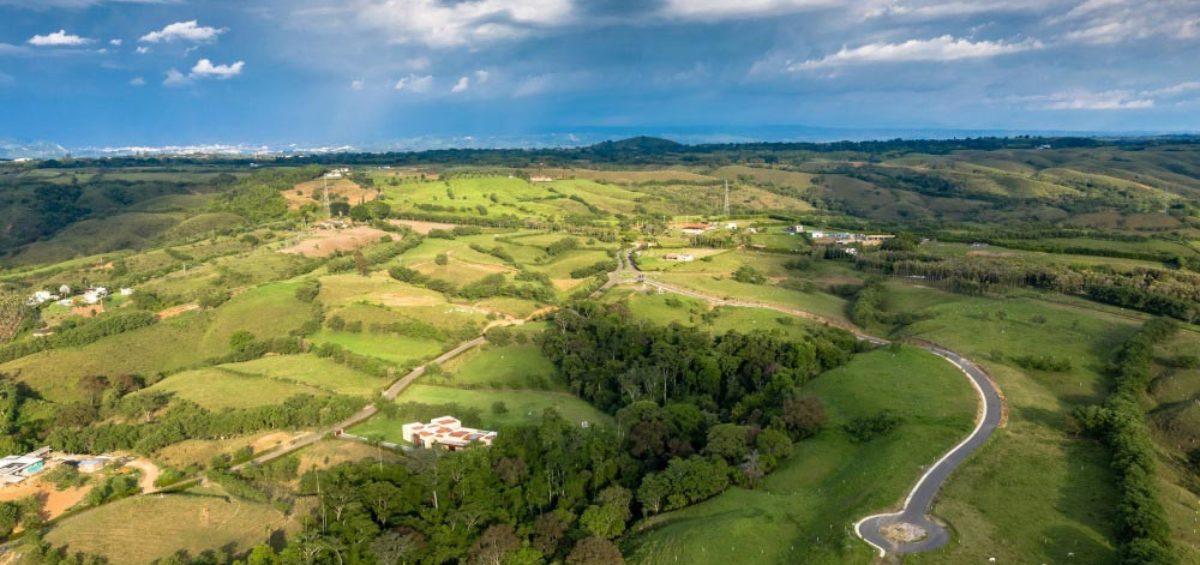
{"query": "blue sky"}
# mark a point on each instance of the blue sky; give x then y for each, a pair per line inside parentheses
(156, 72)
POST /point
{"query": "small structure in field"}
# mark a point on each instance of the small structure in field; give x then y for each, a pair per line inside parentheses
(94, 295)
(89, 466)
(541, 178)
(16, 468)
(694, 229)
(337, 173)
(446, 432)
(680, 257)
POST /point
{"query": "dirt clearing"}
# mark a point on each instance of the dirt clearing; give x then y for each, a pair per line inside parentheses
(341, 189)
(323, 243)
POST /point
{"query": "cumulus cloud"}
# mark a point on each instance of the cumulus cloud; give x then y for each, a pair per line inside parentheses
(206, 69)
(440, 24)
(722, 9)
(462, 85)
(944, 48)
(175, 78)
(203, 69)
(137, 81)
(357, 85)
(142, 50)
(116, 42)
(59, 38)
(415, 84)
(482, 76)
(183, 31)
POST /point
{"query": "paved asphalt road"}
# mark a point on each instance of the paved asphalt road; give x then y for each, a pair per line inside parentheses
(920, 500)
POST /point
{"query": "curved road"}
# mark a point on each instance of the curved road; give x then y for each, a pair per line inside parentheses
(920, 499)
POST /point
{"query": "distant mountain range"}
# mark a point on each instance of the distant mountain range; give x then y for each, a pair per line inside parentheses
(581, 137)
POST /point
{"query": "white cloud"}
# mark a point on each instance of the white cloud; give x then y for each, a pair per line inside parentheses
(115, 42)
(142, 50)
(415, 84)
(183, 31)
(59, 38)
(945, 9)
(1118, 99)
(175, 78)
(462, 85)
(944, 48)
(203, 69)
(137, 81)
(722, 9)
(43, 4)
(1107, 22)
(551, 82)
(206, 69)
(437, 23)
(482, 77)
(357, 85)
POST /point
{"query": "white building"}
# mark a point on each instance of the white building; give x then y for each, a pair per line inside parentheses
(94, 295)
(680, 257)
(16, 468)
(126, 291)
(40, 297)
(447, 432)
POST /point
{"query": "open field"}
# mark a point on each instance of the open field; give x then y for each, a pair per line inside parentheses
(1068, 495)
(326, 242)
(195, 521)
(397, 349)
(510, 366)
(806, 509)
(522, 405)
(218, 389)
(201, 451)
(312, 371)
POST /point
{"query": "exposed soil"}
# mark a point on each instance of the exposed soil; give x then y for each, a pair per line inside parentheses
(341, 189)
(323, 243)
(177, 310)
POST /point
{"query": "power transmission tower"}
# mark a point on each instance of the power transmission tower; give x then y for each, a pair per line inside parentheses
(726, 198)
(325, 198)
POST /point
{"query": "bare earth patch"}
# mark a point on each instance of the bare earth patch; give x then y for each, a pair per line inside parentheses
(903, 532)
(422, 228)
(88, 311)
(54, 502)
(177, 310)
(323, 243)
(302, 193)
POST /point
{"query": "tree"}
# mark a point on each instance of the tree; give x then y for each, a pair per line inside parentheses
(494, 545)
(548, 531)
(240, 340)
(397, 546)
(607, 520)
(13, 315)
(804, 416)
(442, 259)
(595, 551)
(10, 516)
(361, 264)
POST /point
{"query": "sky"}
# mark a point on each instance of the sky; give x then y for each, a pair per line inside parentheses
(329, 72)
